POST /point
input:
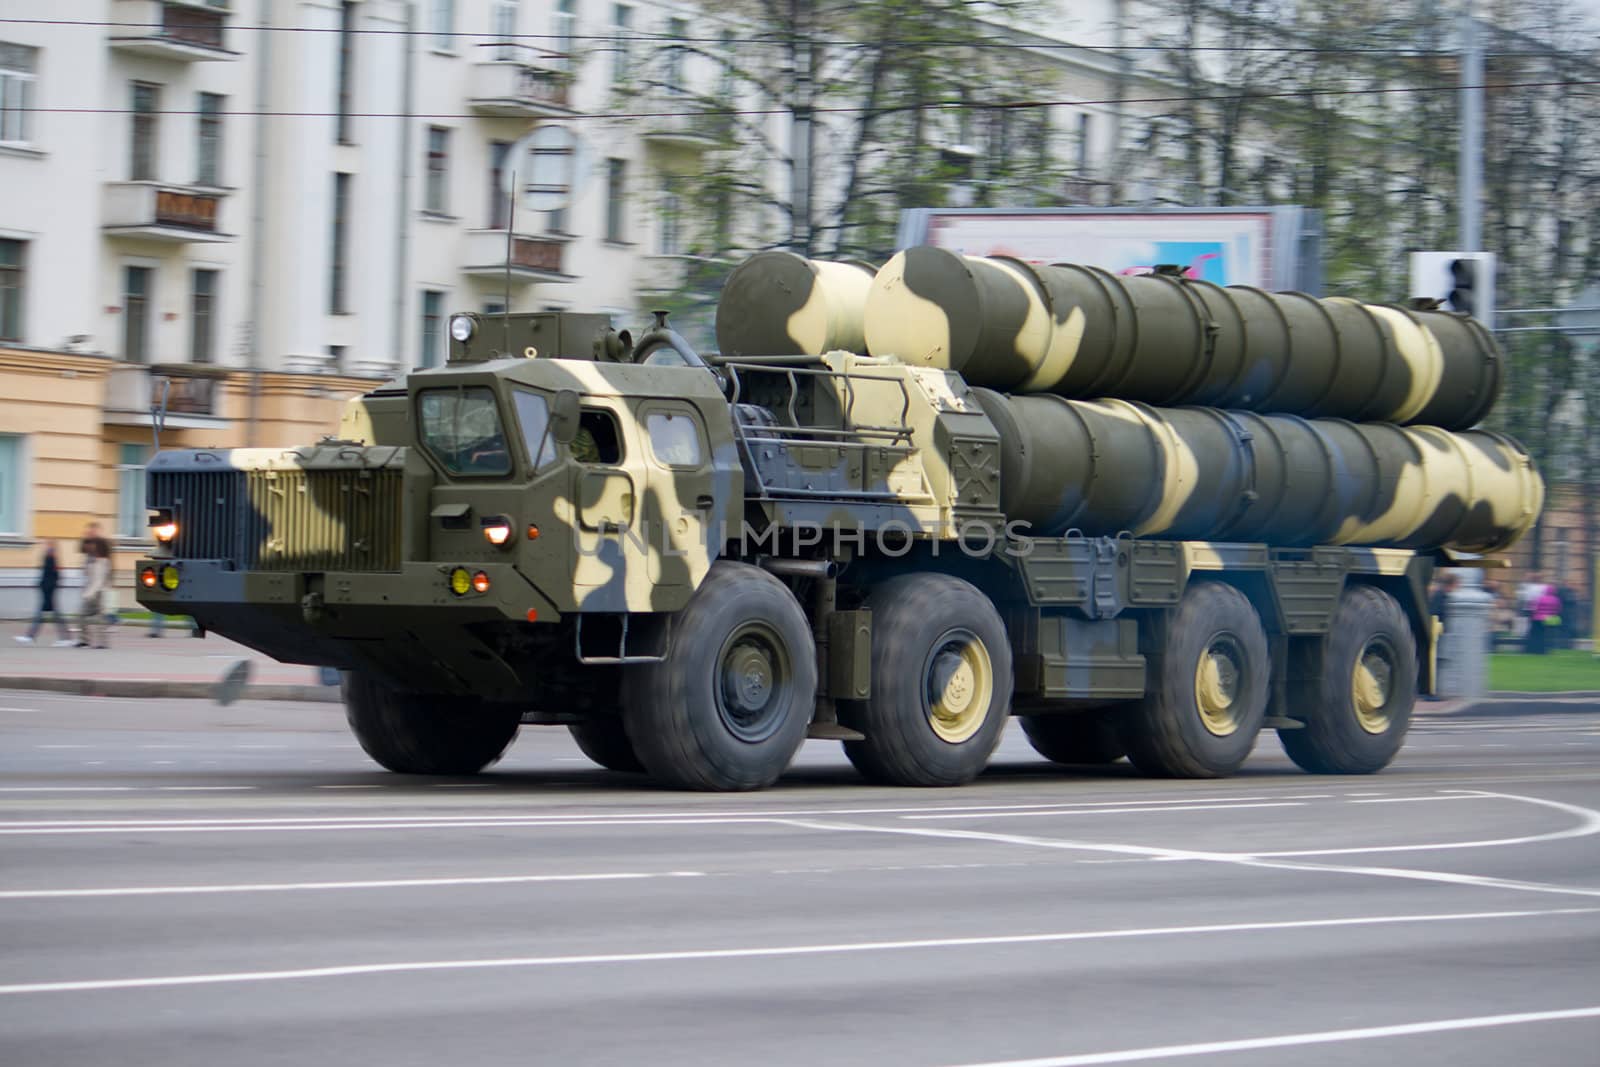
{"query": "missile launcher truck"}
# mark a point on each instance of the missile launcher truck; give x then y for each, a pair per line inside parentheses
(1149, 516)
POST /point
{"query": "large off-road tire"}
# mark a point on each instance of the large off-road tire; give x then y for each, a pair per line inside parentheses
(941, 683)
(1208, 688)
(1084, 737)
(604, 739)
(412, 733)
(729, 705)
(1358, 708)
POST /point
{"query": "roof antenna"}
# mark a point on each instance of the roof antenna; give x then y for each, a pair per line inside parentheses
(505, 312)
(158, 412)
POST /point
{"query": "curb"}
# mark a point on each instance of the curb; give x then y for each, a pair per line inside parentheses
(127, 687)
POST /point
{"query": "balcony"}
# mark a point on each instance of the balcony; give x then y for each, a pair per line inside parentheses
(680, 122)
(531, 259)
(679, 274)
(193, 396)
(180, 30)
(154, 211)
(518, 82)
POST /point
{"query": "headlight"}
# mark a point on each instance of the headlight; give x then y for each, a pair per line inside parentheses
(460, 581)
(169, 578)
(497, 529)
(462, 328)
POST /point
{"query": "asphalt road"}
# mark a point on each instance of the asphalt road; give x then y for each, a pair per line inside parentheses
(187, 884)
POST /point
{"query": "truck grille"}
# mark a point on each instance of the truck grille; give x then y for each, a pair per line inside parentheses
(285, 520)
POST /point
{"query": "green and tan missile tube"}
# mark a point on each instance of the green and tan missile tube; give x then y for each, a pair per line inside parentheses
(781, 304)
(1083, 332)
(1107, 466)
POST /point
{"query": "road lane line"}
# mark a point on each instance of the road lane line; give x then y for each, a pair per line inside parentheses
(628, 818)
(290, 887)
(763, 952)
(1242, 859)
(1588, 824)
(1105, 811)
(1411, 800)
(1323, 1037)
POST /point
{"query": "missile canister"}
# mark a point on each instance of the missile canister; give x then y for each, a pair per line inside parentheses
(1109, 466)
(1082, 332)
(781, 304)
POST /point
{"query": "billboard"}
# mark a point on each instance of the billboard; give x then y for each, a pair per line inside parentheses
(1269, 247)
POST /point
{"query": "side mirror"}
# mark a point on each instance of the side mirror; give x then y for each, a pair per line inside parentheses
(564, 413)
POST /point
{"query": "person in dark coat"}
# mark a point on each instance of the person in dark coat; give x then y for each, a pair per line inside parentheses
(49, 579)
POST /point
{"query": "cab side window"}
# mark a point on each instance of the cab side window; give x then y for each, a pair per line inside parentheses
(674, 438)
(598, 440)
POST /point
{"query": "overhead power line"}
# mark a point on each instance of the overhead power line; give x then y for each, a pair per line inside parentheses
(932, 105)
(780, 38)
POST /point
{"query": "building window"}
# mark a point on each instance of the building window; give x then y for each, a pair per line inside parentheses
(340, 241)
(672, 77)
(18, 64)
(616, 199)
(671, 220)
(336, 357)
(136, 313)
(499, 202)
(202, 317)
(347, 71)
(13, 287)
(505, 28)
(133, 519)
(444, 24)
(550, 177)
(566, 30)
(436, 191)
(1085, 126)
(209, 149)
(10, 484)
(146, 104)
(432, 323)
(622, 20)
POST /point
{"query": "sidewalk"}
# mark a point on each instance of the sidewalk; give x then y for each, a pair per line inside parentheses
(174, 665)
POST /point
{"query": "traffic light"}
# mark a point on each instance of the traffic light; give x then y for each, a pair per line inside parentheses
(1463, 295)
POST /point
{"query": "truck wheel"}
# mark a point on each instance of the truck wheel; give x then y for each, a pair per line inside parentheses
(941, 684)
(1086, 737)
(603, 739)
(1208, 688)
(1360, 705)
(729, 705)
(411, 733)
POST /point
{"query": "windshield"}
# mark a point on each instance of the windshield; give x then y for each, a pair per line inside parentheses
(533, 415)
(461, 428)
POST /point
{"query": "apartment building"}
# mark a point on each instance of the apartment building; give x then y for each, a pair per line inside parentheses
(247, 211)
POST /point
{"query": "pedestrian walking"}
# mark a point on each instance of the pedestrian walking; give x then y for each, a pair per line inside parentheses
(49, 579)
(92, 631)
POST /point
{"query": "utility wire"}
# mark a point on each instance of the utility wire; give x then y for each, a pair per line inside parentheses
(933, 105)
(492, 38)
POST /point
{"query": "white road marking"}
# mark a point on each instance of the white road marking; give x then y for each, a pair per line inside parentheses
(291, 887)
(1589, 823)
(29, 711)
(1107, 811)
(1323, 1037)
(68, 788)
(1268, 860)
(1411, 800)
(764, 952)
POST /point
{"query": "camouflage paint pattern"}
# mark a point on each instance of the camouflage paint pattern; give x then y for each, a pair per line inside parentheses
(1082, 332)
(1108, 466)
(781, 304)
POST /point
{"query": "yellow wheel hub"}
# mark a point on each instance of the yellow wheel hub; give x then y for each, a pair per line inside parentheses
(1216, 686)
(960, 686)
(1371, 684)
